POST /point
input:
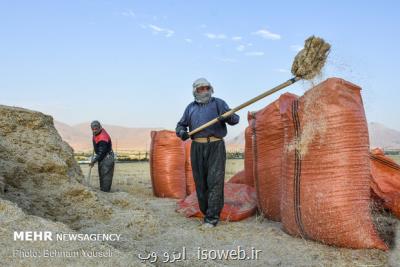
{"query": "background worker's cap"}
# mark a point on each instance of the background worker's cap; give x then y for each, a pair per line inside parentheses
(95, 124)
(96, 127)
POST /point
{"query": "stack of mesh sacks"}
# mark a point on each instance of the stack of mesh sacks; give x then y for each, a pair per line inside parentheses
(311, 165)
(171, 177)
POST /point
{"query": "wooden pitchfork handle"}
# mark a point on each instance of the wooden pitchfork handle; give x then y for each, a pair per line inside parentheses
(87, 179)
(245, 104)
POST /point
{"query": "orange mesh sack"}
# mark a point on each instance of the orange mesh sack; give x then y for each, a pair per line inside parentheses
(167, 165)
(386, 180)
(190, 185)
(248, 155)
(267, 137)
(239, 203)
(326, 173)
(238, 178)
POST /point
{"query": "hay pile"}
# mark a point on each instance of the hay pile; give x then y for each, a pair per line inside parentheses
(310, 60)
(40, 171)
(43, 178)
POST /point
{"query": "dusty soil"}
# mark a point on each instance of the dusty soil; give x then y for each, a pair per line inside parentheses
(173, 232)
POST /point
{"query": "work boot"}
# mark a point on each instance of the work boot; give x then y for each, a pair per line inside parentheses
(207, 225)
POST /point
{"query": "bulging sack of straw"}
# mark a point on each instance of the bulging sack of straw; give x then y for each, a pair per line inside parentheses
(239, 203)
(326, 179)
(385, 181)
(238, 178)
(267, 136)
(167, 165)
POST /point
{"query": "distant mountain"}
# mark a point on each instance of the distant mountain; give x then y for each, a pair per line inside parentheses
(380, 136)
(79, 140)
(124, 138)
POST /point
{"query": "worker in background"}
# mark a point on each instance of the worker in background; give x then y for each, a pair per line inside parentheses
(208, 155)
(104, 155)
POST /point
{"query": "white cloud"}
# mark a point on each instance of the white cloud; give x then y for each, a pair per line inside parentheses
(237, 38)
(155, 28)
(240, 48)
(264, 33)
(254, 54)
(282, 70)
(169, 33)
(296, 48)
(227, 60)
(128, 13)
(165, 31)
(213, 36)
(188, 40)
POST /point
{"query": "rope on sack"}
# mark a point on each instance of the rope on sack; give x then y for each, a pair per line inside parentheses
(297, 170)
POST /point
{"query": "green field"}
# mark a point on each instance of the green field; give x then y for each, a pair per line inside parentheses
(124, 172)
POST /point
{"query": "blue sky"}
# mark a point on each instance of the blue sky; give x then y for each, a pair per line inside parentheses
(132, 63)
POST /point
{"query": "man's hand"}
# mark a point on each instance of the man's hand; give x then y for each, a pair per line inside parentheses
(221, 118)
(93, 160)
(184, 135)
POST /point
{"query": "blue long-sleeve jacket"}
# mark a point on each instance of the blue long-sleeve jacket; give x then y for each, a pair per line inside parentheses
(197, 114)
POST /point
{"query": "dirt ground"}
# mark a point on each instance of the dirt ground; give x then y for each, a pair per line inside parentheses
(172, 232)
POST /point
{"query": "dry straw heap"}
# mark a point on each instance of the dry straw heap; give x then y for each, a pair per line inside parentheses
(311, 59)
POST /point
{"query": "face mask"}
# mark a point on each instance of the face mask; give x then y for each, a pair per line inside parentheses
(202, 98)
(96, 131)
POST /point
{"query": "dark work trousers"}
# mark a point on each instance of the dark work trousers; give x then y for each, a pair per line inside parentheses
(208, 166)
(106, 172)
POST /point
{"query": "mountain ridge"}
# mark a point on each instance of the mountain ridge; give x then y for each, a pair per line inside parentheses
(125, 138)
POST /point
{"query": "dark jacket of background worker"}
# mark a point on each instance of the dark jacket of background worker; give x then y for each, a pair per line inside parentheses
(104, 155)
